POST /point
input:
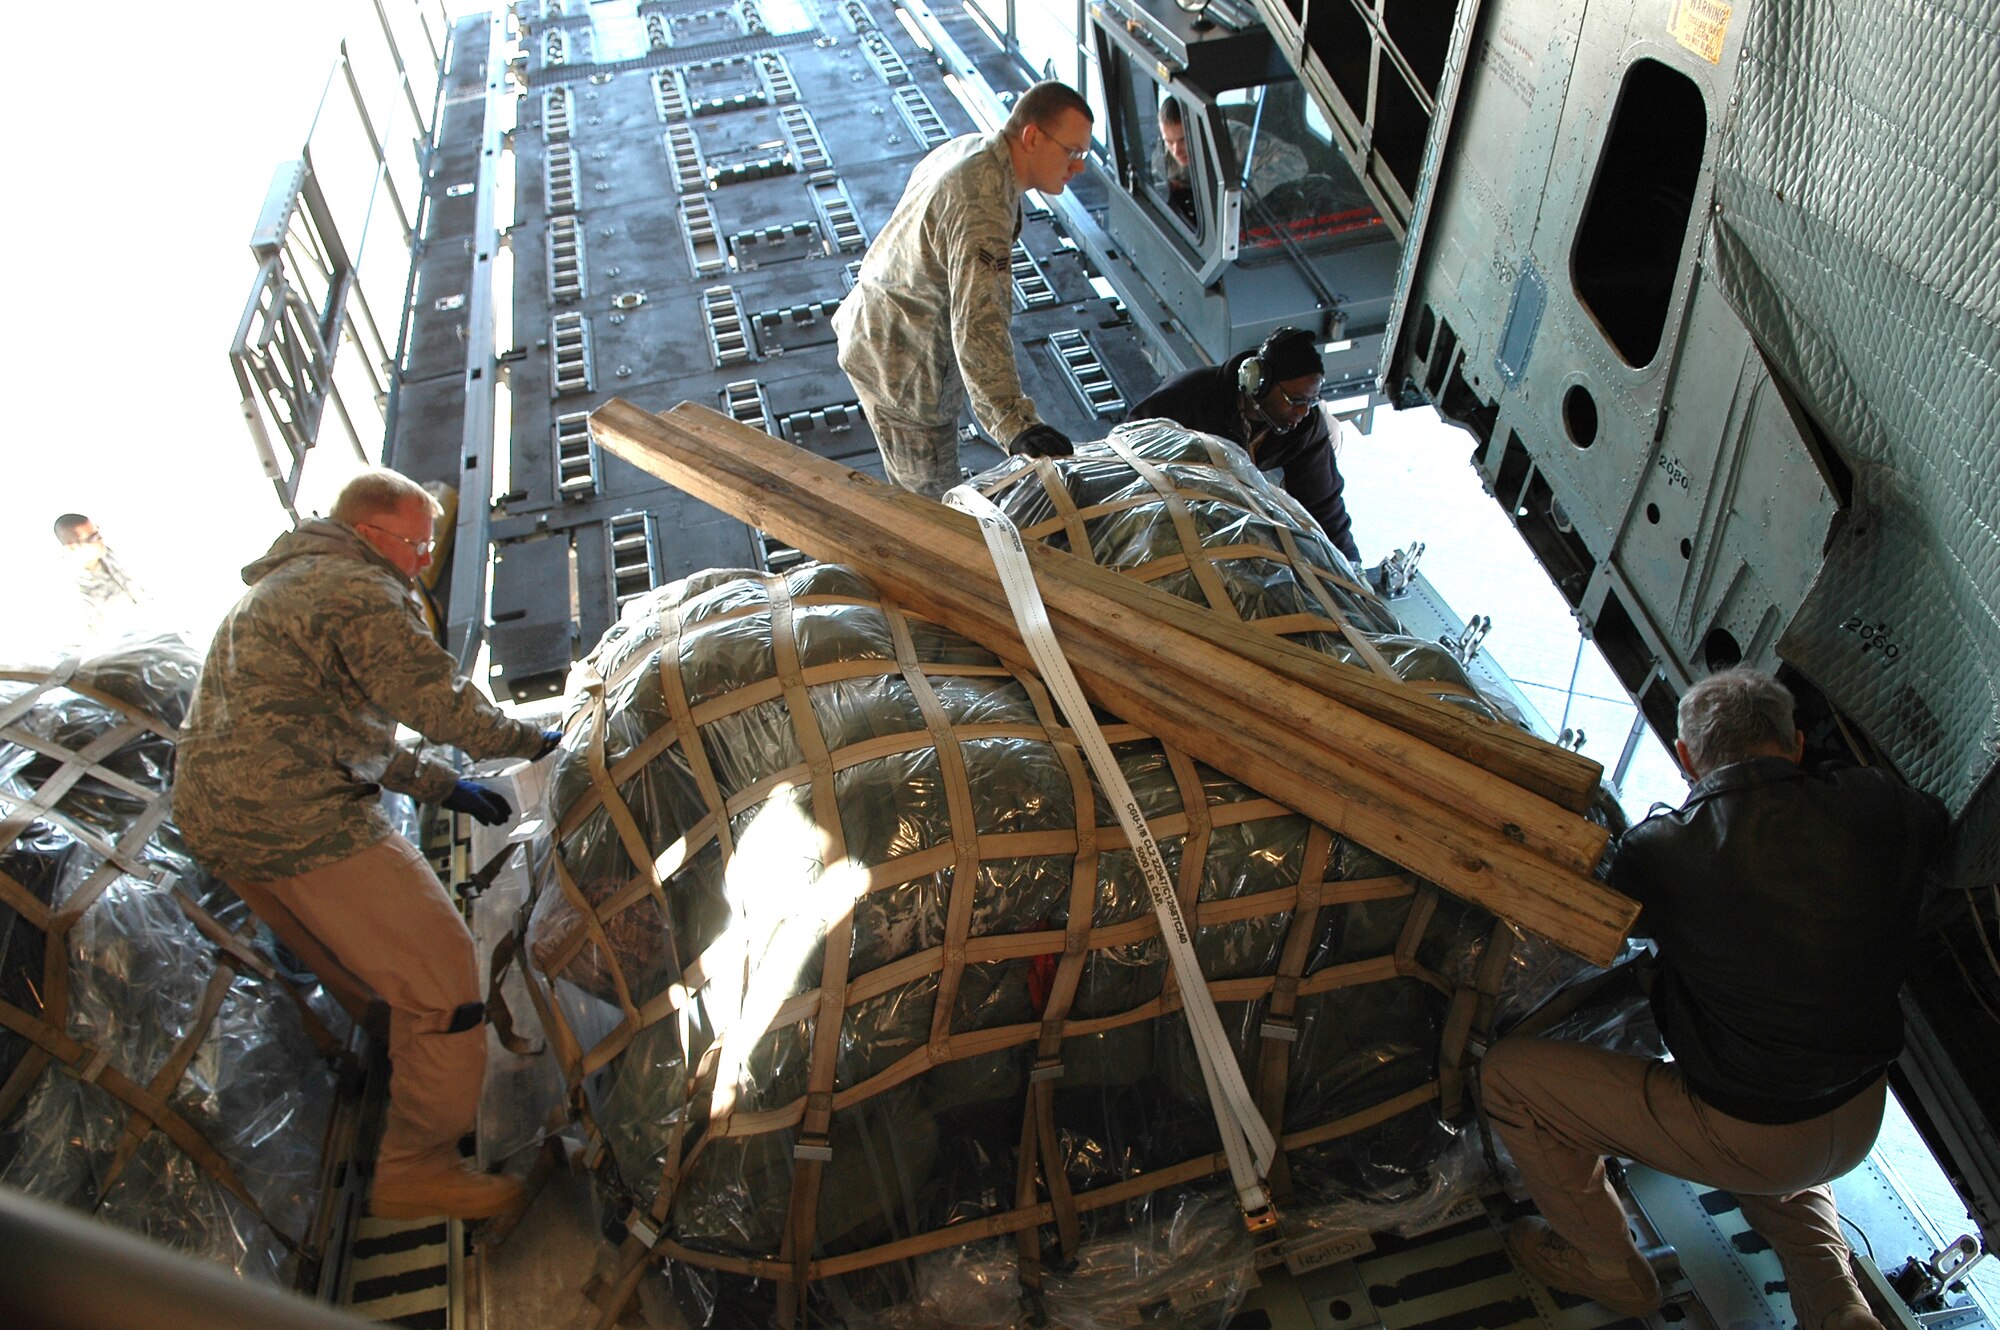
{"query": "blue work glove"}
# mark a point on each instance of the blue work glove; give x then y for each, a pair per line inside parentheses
(551, 740)
(1041, 441)
(478, 802)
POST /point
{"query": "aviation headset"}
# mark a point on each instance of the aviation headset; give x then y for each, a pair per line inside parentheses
(1250, 374)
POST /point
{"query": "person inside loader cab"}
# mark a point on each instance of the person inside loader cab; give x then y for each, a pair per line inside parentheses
(1783, 904)
(929, 319)
(289, 741)
(1273, 161)
(1267, 401)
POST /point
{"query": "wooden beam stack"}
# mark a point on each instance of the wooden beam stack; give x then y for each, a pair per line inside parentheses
(1481, 809)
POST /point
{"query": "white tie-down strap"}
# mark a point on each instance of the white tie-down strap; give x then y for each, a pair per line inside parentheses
(1245, 1139)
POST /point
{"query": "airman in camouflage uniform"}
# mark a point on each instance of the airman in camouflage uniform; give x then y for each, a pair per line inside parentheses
(289, 740)
(111, 598)
(929, 318)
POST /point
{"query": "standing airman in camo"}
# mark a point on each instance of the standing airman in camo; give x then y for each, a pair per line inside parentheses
(928, 320)
(287, 745)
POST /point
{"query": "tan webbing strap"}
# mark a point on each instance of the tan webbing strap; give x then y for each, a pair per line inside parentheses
(1185, 530)
(812, 1148)
(1309, 573)
(1027, 1156)
(498, 1014)
(1110, 508)
(629, 836)
(137, 1129)
(74, 767)
(249, 960)
(1367, 1117)
(140, 832)
(1451, 1050)
(1471, 1013)
(1069, 1229)
(98, 845)
(1048, 1068)
(93, 1065)
(1280, 1029)
(1493, 968)
(567, 1046)
(32, 1064)
(964, 832)
(1066, 513)
(613, 1297)
(1414, 924)
(24, 902)
(39, 683)
(687, 733)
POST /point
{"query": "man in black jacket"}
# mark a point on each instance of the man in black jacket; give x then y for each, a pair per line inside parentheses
(1267, 400)
(1784, 907)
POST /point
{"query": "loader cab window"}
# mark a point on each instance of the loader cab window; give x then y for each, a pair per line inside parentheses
(1298, 191)
(1167, 145)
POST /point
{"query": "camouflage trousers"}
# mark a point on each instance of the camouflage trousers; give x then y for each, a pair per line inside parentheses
(916, 456)
(378, 924)
(1560, 1108)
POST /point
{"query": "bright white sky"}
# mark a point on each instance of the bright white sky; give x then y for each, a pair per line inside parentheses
(129, 265)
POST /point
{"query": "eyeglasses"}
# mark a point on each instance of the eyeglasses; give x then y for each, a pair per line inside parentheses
(1309, 399)
(77, 539)
(1075, 154)
(417, 547)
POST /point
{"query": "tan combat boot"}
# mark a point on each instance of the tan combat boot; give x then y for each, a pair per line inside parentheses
(455, 1192)
(1548, 1256)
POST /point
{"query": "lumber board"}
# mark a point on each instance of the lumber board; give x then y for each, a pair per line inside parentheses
(1509, 850)
(1440, 772)
(1558, 775)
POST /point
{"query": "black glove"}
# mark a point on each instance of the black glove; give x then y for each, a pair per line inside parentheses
(551, 740)
(478, 802)
(1041, 441)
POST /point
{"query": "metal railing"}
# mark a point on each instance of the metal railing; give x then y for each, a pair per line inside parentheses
(310, 297)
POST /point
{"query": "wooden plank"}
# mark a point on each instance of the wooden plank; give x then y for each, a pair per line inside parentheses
(1068, 583)
(1516, 854)
(1566, 779)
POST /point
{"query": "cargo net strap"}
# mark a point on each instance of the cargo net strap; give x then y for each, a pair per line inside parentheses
(118, 857)
(716, 1008)
(1217, 557)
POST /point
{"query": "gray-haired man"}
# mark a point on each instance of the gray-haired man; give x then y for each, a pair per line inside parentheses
(1784, 907)
(287, 745)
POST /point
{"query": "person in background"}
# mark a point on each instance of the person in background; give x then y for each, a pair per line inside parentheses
(1783, 905)
(929, 319)
(288, 743)
(1267, 401)
(111, 596)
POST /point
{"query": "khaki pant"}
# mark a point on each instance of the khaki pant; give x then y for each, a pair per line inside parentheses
(1560, 1108)
(379, 923)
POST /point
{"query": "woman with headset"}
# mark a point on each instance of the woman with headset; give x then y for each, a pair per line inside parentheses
(1267, 400)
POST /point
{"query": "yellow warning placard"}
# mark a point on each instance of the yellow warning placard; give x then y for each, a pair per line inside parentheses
(1700, 26)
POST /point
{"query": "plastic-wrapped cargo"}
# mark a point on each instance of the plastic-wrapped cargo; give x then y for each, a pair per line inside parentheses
(814, 853)
(154, 1068)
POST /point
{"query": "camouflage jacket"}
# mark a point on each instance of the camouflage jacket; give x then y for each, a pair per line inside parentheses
(935, 302)
(292, 730)
(110, 595)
